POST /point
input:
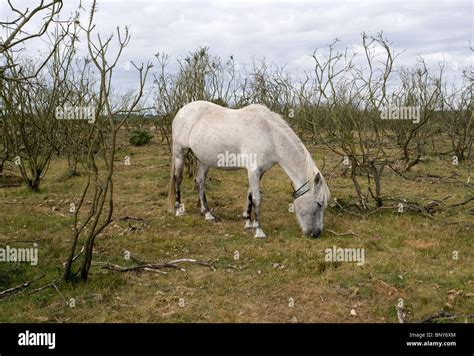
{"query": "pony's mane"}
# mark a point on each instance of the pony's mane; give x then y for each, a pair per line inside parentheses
(311, 170)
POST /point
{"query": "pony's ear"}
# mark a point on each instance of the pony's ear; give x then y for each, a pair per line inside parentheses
(317, 178)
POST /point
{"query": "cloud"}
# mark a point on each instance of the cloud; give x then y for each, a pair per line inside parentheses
(286, 33)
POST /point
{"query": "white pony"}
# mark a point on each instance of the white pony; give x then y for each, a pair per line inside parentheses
(254, 138)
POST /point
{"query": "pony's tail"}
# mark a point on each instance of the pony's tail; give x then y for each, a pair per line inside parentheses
(172, 189)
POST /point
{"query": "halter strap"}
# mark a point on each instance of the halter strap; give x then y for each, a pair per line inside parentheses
(301, 191)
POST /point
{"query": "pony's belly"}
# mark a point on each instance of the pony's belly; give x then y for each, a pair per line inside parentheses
(228, 168)
(228, 160)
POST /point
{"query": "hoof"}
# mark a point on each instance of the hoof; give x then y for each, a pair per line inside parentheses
(209, 217)
(259, 234)
(248, 224)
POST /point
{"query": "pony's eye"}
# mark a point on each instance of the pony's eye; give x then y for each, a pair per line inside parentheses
(319, 204)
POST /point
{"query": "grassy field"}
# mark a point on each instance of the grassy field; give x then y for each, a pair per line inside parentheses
(282, 279)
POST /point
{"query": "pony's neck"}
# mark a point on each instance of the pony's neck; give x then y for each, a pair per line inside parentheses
(293, 160)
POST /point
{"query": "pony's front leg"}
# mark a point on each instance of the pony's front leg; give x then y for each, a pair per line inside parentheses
(201, 183)
(247, 215)
(254, 180)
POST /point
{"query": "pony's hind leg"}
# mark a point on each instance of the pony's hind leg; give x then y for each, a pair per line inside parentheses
(178, 176)
(201, 183)
(247, 215)
(254, 180)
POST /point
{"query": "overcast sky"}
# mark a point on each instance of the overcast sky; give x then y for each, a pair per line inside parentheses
(285, 33)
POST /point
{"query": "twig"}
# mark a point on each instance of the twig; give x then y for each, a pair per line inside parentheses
(461, 203)
(41, 288)
(398, 172)
(57, 290)
(441, 178)
(329, 174)
(350, 232)
(444, 315)
(75, 257)
(67, 176)
(202, 263)
(130, 226)
(346, 208)
(154, 266)
(9, 291)
(127, 217)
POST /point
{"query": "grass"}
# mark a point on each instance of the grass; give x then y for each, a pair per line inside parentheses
(406, 255)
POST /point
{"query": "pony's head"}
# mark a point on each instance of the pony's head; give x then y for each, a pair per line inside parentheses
(310, 200)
